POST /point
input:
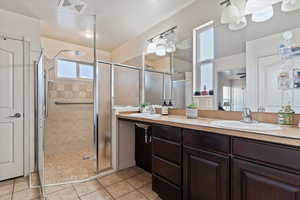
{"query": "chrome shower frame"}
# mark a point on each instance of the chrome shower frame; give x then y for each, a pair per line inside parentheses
(97, 109)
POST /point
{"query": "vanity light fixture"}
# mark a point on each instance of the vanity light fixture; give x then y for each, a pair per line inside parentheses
(290, 5)
(163, 43)
(260, 11)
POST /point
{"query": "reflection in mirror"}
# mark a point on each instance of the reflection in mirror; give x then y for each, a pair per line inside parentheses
(253, 50)
(164, 87)
(157, 78)
(231, 89)
(182, 74)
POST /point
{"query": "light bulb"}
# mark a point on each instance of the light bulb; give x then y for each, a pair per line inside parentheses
(240, 24)
(290, 5)
(161, 50)
(151, 47)
(230, 14)
(171, 47)
(263, 15)
(253, 6)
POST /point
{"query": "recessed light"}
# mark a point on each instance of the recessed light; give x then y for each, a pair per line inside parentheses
(88, 35)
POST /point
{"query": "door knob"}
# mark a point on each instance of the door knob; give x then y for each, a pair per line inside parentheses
(17, 115)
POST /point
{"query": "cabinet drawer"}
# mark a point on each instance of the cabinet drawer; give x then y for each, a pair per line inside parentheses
(167, 132)
(204, 140)
(267, 152)
(167, 150)
(164, 189)
(167, 170)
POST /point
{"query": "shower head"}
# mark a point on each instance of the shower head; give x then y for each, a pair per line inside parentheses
(72, 52)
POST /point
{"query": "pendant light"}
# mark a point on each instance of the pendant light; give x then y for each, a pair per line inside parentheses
(230, 14)
(263, 15)
(240, 24)
(290, 5)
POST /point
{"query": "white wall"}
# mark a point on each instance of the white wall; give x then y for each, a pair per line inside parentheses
(201, 12)
(16, 25)
(51, 47)
(182, 65)
(192, 16)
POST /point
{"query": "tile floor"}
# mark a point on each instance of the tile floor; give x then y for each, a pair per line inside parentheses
(70, 166)
(128, 184)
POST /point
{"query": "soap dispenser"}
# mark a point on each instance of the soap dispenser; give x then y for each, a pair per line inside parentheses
(170, 105)
(165, 108)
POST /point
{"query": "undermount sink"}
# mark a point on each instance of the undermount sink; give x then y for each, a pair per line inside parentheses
(246, 126)
(144, 115)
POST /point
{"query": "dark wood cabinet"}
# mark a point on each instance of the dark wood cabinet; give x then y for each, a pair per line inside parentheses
(251, 181)
(199, 165)
(143, 148)
(167, 162)
(206, 175)
(165, 189)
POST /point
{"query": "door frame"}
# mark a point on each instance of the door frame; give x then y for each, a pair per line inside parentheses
(28, 103)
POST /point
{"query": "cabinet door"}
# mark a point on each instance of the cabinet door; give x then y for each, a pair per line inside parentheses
(255, 182)
(206, 175)
(143, 149)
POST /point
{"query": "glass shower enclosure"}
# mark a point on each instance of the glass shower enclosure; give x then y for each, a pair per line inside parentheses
(70, 148)
(40, 120)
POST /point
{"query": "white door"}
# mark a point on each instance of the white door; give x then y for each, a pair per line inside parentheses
(11, 108)
(270, 97)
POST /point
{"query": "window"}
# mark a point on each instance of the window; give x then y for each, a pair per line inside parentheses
(204, 57)
(86, 71)
(74, 70)
(66, 69)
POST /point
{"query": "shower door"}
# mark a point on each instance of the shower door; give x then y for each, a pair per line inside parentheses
(40, 119)
(104, 109)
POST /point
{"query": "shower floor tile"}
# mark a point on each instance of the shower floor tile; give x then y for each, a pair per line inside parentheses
(71, 166)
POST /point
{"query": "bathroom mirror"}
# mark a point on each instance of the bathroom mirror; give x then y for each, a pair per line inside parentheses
(244, 66)
(158, 78)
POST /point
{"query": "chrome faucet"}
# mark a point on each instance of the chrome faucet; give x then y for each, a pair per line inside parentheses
(247, 116)
(152, 109)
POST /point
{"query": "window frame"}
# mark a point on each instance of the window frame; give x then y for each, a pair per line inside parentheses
(78, 63)
(202, 28)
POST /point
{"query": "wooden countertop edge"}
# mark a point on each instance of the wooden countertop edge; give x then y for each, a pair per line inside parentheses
(235, 133)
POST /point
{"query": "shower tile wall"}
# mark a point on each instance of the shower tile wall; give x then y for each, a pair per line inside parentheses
(68, 140)
(69, 127)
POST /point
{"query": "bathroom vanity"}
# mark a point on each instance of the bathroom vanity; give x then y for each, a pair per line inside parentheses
(193, 162)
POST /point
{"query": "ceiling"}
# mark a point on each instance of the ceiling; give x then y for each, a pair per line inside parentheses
(117, 20)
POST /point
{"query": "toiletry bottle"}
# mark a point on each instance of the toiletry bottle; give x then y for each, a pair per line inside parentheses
(170, 105)
(164, 108)
(204, 92)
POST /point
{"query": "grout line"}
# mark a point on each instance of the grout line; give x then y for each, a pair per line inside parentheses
(72, 185)
(104, 188)
(13, 189)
